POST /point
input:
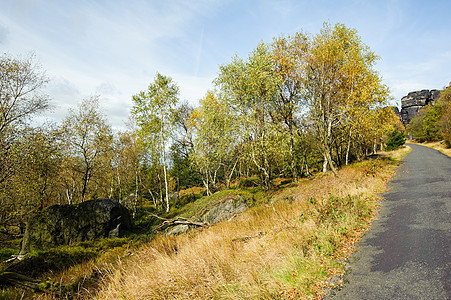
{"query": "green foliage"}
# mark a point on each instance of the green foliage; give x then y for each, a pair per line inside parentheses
(249, 182)
(6, 253)
(371, 166)
(430, 123)
(184, 200)
(56, 259)
(154, 112)
(395, 140)
(334, 207)
(433, 123)
(12, 294)
(182, 169)
(444, 122)
(415, 127)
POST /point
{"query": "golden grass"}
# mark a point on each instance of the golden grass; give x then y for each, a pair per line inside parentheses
(435, 145)
(279, 250)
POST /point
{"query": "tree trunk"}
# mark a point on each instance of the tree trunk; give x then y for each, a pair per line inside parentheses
(119, 184)
(349, 147)
(306, 166)
(85, 184)
(325, 164)
(135, 204)
(293, 158)
(375, 145)
(163, 154)
(206, 182)
(331, 164)
(229, 178)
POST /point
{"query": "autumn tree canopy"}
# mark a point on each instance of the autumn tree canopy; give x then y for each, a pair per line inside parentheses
(299, 104)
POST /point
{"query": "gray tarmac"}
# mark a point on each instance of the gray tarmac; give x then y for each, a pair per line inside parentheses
(406, 253)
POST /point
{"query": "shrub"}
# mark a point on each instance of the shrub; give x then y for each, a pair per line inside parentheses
(395, 140)
(445, 120)
(184, 200)
(249, 182)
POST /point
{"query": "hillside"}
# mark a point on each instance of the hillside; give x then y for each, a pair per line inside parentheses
(294, 245)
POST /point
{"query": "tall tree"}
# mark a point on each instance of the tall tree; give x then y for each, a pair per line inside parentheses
(153, 110)
(182, 148)
(290, 62)
(216, 140)
(88, 139)
(251, 89)
(21, 97)
(340, 77)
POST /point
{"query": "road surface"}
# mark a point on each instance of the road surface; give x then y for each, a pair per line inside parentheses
(406, 253)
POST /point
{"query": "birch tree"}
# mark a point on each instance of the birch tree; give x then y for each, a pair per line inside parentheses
(290, 62)
(216, 140)
(22, 96)
(340, 78)
(251, 87)
(88, 139)
(153, 111)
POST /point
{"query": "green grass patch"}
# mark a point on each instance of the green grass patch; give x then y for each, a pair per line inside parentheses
(56, 259)
(5, 253)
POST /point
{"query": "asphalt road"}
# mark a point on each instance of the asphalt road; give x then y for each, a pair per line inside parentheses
(406, 253)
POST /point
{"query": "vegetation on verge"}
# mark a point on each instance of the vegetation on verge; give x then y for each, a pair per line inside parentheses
(294, 107)
(286, 248)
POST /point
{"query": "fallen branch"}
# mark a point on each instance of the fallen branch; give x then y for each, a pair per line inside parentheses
(19, 280)
(14, 258)
(246, 239)
(178, 221)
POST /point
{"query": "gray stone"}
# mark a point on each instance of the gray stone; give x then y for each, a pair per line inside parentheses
(225, 210)
(66, 224)
(179, 229)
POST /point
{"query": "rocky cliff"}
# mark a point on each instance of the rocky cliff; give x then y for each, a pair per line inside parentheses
(414, 101)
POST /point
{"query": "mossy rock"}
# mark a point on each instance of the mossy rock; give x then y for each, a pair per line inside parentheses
(227, 209)
(67, 224)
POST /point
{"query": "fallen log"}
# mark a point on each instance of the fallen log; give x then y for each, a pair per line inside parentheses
(19, 280)
(178, 221)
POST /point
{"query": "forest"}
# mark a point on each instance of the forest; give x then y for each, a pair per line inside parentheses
(297, 105)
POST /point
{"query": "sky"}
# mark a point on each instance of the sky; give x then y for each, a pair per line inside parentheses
(113, 48)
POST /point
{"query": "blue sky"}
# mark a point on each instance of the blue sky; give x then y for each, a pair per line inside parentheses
(114, 48)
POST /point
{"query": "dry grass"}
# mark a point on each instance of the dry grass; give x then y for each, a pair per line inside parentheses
(437, 146)
(280, 250)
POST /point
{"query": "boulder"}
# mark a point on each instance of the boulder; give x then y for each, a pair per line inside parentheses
(66, 224)
(179, 229)
(227, 209)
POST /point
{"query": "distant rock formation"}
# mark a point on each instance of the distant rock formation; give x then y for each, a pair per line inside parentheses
(414, 101)
(66, 224)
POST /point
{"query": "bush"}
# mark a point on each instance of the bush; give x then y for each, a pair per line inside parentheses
(395, 140)
(249, 182)
(445, 120)
(184, 200)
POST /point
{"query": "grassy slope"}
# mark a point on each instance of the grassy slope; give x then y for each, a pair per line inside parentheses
(286, 248)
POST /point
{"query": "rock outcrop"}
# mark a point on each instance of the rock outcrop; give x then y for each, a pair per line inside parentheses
(414, 101)
(227, 209)
(66, 224)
